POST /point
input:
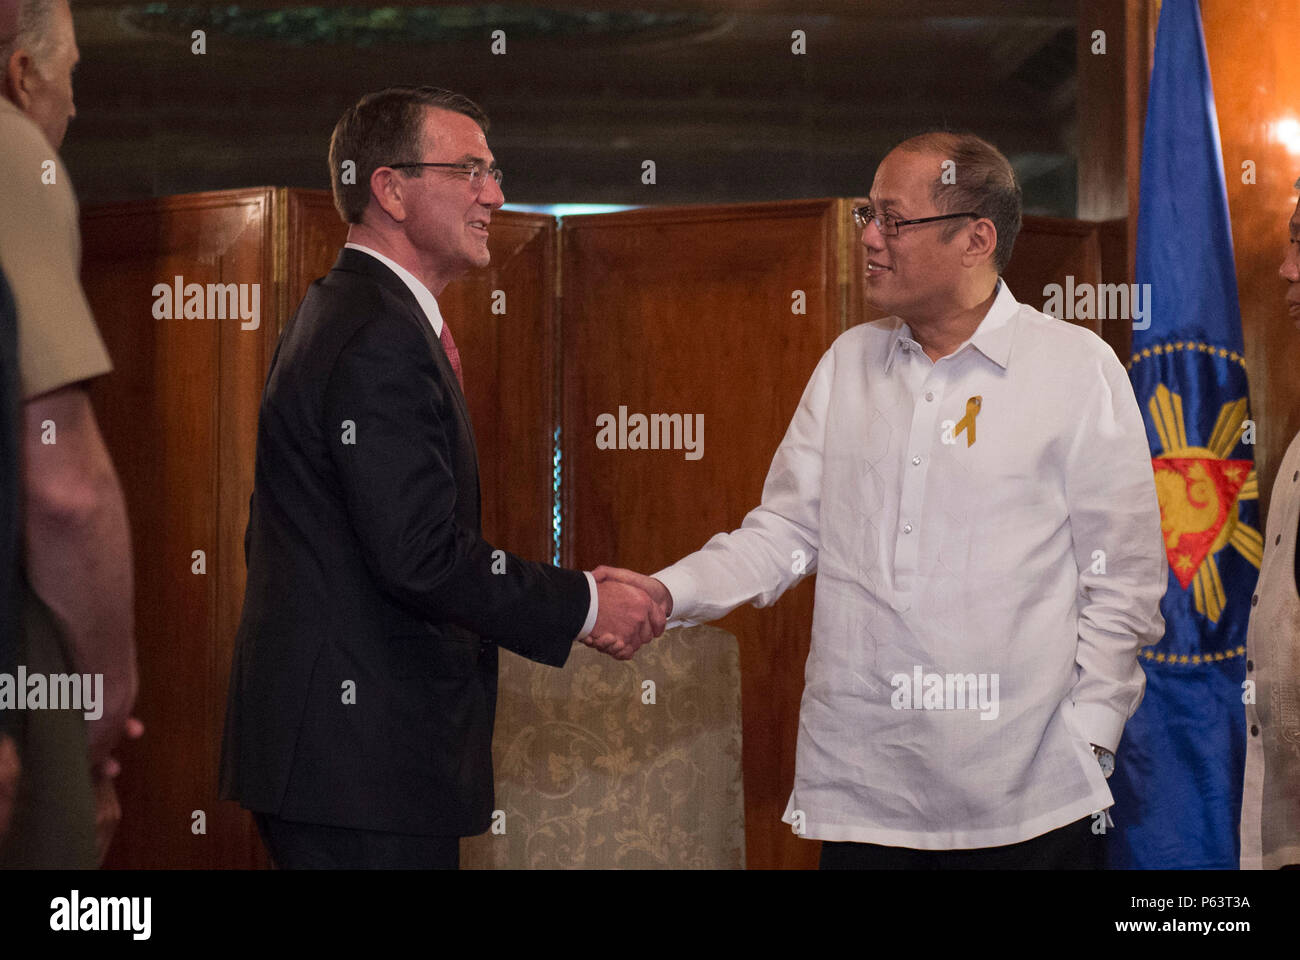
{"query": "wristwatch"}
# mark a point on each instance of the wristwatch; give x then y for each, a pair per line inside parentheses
(1106, 759)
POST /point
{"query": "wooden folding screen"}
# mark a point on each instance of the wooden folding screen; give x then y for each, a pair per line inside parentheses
(179, 413)
(719, 311)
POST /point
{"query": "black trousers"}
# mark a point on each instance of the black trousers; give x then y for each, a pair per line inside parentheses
(1071, 847)
(314, 846)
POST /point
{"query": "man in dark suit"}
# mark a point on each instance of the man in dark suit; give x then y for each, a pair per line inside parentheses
(363, 689)
(10, 524)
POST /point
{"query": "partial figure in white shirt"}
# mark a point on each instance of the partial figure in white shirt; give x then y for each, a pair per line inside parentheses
(1270, 802)
(971, 482)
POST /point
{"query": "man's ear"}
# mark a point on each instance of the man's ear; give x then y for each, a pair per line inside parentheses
(16, 85)
(387, 188)
(981, 244)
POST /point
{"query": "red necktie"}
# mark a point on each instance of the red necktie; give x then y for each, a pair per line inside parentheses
(449, 345)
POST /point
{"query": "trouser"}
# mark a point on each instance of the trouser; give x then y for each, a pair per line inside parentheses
(1071, 847)
(314, 846)
(53, 824)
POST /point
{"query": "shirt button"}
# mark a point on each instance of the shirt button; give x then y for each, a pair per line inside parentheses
(1254, 730)
(1295, 476)
(916, 461)
(907, 528)
(1277, 540)
(1254, 600)
(929, 395)
(1250, 665)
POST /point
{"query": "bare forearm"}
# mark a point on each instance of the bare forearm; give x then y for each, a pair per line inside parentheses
(79, 564)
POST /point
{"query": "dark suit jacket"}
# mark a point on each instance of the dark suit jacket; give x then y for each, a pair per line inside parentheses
(10, 482)
(364, 682)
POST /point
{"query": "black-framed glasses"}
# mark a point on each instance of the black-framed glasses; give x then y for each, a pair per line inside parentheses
(478, 171)
(888, 226)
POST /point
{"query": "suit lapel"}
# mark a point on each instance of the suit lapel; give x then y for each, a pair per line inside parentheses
(354, 261)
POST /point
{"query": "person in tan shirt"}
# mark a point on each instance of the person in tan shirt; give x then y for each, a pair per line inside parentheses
(1270, 805)
(76, 572)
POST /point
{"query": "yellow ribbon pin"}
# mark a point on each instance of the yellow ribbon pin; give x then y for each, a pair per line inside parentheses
(967, 422)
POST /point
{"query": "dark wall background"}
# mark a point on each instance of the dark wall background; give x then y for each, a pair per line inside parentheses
(710, 91)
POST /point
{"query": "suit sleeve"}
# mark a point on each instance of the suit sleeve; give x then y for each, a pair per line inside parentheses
(399, 487)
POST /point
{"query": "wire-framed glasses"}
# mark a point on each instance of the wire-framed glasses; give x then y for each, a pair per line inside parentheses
(477, 170)
(888, 225)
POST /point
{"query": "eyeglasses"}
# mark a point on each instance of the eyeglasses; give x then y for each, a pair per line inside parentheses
(477, 170)
(888, 226)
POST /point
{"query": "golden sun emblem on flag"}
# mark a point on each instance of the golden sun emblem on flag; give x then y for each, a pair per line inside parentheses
(1198, 489)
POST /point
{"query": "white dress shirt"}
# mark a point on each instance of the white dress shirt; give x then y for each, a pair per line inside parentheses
(948, 558)
(429, 304)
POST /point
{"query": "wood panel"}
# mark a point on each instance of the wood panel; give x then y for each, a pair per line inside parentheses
(313, 235)
(1102, 122)
(688, 310)
(510, 363)
(1112, 236)
(1256, 75)
(1140, 17)
(178, 413)
(1047, 251)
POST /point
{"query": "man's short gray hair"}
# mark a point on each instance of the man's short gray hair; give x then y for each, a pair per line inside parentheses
(35, 31)
(982, 182)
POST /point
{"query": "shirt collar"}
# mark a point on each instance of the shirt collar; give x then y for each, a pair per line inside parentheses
(421, 292)
(991, 338)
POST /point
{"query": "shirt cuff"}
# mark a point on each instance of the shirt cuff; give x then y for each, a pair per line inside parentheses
(590, 623)
(681, 587)
(1100, 724)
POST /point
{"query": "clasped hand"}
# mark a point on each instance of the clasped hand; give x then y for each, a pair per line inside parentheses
(632, 609)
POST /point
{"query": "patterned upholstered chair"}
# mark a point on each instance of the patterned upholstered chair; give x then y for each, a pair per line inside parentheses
(609, 764)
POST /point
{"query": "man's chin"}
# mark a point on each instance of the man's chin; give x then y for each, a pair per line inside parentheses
(877, 303)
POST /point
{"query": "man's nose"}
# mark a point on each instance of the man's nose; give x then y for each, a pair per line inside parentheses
(1290, 269)
(872, 238)
(491, 195)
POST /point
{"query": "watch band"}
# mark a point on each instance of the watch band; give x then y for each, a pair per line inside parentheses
(1106, 759)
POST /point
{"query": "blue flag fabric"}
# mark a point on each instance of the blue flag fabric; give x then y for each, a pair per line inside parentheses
(1178, 780)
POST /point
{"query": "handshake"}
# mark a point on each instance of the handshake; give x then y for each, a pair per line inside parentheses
(632, 610)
